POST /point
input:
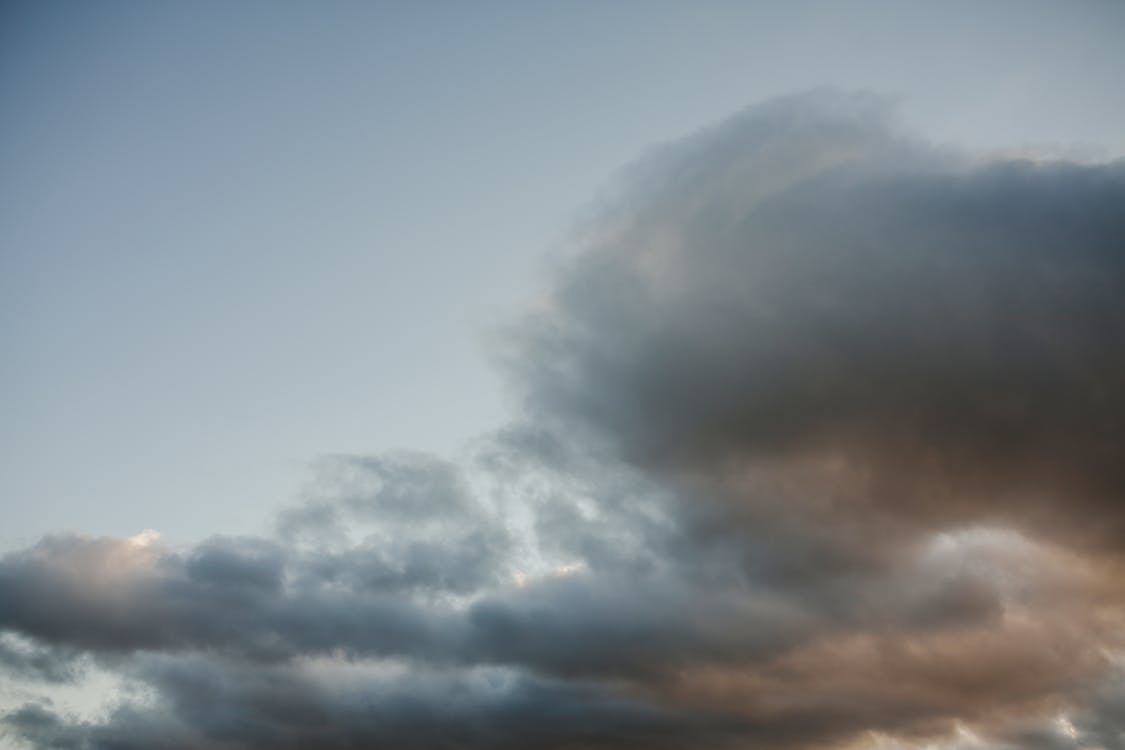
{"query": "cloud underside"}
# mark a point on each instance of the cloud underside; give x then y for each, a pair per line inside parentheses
(821, 444)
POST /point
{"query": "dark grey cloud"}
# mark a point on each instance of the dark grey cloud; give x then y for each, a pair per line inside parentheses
(821, 442)
(27, 660)
(206, 704)
(957, 326)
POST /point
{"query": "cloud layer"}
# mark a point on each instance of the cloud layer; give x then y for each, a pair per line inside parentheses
(821, 444)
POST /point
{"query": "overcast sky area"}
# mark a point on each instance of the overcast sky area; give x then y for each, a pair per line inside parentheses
(562, 375)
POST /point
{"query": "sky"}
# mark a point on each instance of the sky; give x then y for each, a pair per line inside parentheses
(578, 375)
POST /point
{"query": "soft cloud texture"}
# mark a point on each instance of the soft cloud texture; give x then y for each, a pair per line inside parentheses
(821, 445)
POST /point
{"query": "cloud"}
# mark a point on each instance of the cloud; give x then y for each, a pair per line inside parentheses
(820, 445)
(798, 284)
(208, 703)
(27, 660)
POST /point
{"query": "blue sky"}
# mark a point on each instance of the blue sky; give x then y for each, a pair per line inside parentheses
(236, 237)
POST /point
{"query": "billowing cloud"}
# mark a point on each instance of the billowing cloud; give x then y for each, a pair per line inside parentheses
(821, 444)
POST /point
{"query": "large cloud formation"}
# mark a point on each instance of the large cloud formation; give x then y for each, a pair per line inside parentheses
(821, 445)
